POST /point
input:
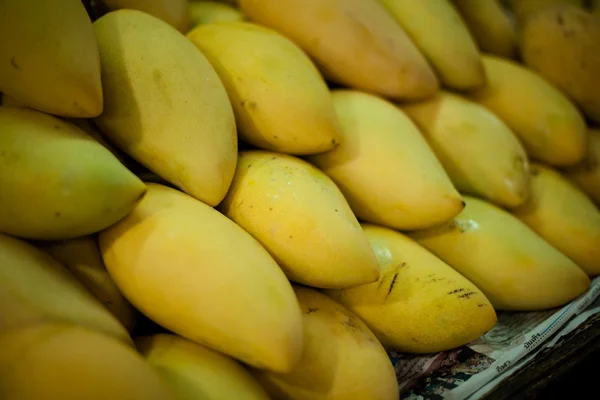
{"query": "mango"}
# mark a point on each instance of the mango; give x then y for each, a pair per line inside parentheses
(35, 288)
(419, 304)
(490, 26)
(51, 62)
(561, 44)
(300, 216)
(385, 168)
(57, 182)
(514, 267)
(196, 372)
(481, 155)
(354, 42)
(549, 125)
(61, 361)
(281, 102)
(564, 216)
(341, 360)
(587, 173)
(165, 104)
(198, 274)
(438, 30)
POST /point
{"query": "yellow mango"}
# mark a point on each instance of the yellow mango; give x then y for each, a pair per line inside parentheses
(300, 216)
(56, 182)
(514, 267)
(165, 104)
(195, 272)
(341, 360)
(479, 152)
(439, 32)
(206, 12)
(550, 127)
(173, 12)
(195, 372)
(35, 288)
(354, 42)
(281, 102)
(587, 173)
(490, 26)
(385, 168)
(420, 304)
(60, 361)
(51, 61)
(524, 9)
(561, 44)
(564, 216)
(82, 257)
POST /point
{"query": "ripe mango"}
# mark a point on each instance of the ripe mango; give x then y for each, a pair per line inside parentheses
(561, 43)
(61, 361)
(548, 124)
(35, 288)
(281, 102)
(490, 26)
(196, 372)
(587, 173)
(385, 168)
(198, 274)
(341, 360)
(479, 152)
(439, 32)
(57, 182)
(514, 267)
(300, 216)
(165, 104)
(49, 57)
(564, 216)
(354, 42)
(420, 304)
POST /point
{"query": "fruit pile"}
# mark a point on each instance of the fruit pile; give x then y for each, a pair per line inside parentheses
(404, 170)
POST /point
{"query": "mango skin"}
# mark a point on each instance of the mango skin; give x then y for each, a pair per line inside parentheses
(550, 127)
(300, 216)
(462, 134)
(354, 42)
(385, 168)
(420, 304)
(165, 104)
(57, 182)
(196, 372)
(564, 216)
(207, 12)
(61, 361)
(195, 272)
(490, 26)
(173, 12)
(561, 44)
(51, 61)
(35, 288)
(514, 267)
(523, 9)
(586, 174)
(281, 102)
(82, 257)
(439, 32)
(338, 346)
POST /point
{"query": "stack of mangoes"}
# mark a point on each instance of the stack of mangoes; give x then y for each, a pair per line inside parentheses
(287, 189)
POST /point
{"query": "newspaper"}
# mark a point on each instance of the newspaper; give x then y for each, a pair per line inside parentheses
(474, 370)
